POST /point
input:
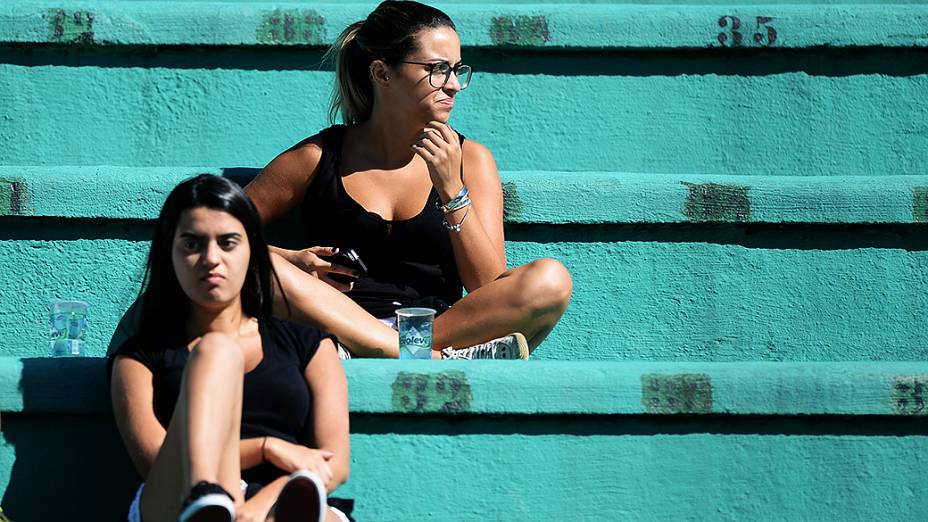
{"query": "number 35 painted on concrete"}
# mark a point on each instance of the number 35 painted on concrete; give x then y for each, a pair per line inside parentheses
(765, 36)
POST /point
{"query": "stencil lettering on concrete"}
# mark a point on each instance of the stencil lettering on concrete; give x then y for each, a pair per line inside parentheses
(445, 392)
(676, 393)
(12, 197)
(519, 30)
(909, 394)
(512, 205)
(70, 26)
(763, 32)
(715, 203)
(920, 204)
(291, 27)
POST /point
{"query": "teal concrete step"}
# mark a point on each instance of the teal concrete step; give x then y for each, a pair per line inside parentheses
(538, 441)
(76, 386)
(744, 114)
(531, 197)
(666, 295)
(483, 24)
(665, 267)
(611, 87)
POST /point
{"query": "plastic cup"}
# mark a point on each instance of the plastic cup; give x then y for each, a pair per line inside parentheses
(67, 326)
(415, 328)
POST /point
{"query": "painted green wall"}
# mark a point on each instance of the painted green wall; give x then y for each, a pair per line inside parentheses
(604, 470)
(685, 268)
(637, 295)
(565, 440)
(538, 25)
(562, 113)
(76, 386)
(631, 88)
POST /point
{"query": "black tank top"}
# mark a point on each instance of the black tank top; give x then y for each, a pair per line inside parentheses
(409, 261)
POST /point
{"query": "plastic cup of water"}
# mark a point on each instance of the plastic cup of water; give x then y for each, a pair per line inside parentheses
(415, 329)
(67, 326)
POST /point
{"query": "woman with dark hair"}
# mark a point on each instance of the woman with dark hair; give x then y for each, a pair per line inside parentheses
(421, 206)
(217, 401)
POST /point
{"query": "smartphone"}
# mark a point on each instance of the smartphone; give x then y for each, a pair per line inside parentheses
(348, 258)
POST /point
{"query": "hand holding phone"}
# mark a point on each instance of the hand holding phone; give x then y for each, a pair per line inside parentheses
(350, 259)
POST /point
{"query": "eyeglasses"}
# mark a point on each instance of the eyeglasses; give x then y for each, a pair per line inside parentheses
(440, 73)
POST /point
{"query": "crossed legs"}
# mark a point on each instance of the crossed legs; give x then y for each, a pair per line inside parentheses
(528, 299)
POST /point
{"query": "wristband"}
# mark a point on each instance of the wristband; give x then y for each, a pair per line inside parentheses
(456, 202)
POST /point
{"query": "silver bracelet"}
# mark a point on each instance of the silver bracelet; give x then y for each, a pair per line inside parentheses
(457, 227)
(459, 204)
(456, 201)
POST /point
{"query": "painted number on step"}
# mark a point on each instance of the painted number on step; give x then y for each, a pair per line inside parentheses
(762, 34)
(909, 394)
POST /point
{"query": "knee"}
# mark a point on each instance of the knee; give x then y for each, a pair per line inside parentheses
(219, 350)
(548, 286)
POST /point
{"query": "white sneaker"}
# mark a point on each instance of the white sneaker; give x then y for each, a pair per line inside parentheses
(512, 346)
(207, 501)
(343, 352)
(303, 499)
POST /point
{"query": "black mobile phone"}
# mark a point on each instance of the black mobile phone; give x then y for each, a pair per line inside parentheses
(348, 258)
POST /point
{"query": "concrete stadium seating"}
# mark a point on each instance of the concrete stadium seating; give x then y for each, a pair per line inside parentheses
(739, 190)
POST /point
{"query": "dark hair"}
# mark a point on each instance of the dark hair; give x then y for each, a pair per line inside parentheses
(164, 303)
(387, 34)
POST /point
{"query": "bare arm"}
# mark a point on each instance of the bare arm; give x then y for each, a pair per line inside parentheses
(281, 184)
(329, 389)
(252, 451)
(479, 249)
(132, 395)
(280, 187)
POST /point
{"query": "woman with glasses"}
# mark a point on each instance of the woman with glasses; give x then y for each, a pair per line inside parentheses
(421, 205)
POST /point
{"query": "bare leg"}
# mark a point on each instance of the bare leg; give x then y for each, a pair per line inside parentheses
(264, 500)
(202, 439)
(315, 303)
(529, 299)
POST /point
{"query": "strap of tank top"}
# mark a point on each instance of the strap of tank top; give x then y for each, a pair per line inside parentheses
(462, 138)
(331, 152)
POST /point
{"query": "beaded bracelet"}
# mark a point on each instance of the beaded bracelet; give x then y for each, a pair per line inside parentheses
(457, 227)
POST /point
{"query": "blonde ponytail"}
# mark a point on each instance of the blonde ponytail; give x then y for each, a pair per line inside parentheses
(353, 96)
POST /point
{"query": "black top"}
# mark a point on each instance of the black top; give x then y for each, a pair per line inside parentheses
(409, 261)
(276, 400)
